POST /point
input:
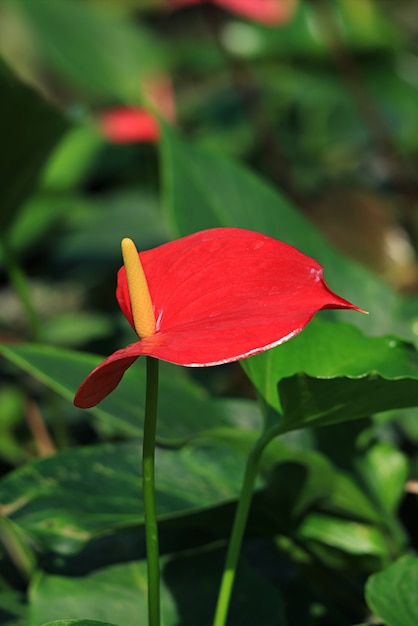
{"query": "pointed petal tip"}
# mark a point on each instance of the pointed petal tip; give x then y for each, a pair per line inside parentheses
(105, 377)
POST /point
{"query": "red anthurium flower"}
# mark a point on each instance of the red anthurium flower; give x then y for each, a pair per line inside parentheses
(215, 296)
(270, 12)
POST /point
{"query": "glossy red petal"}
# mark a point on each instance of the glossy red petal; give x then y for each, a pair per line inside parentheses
(104, 378)
(128, 125)
(219, 295)
(222, 294)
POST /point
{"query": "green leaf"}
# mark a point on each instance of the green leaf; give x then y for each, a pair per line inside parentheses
(115, 595)
(349, 500)
(11, 411)
(308, 401)
(63, 501)
(30, 127)
(329, 350)
(330, 373)
(184, 408)
(13, 608)
(79, 41)
(118, 593)
(346, 535)
(392, 594)
(385, 470)
(77, 622)
(205, 190)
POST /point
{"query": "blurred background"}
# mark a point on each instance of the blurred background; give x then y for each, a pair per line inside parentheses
(317, 97)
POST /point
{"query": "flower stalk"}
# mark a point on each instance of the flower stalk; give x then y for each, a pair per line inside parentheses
(148, 491)
(144, 322)
(238, 528)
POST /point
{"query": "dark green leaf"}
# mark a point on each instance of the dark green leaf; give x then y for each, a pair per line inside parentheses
(29, 127)
(392, 594)
(308, 401)
(13, 609)
(118, 593)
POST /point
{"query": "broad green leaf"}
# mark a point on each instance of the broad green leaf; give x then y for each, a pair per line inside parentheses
(392, 593)
(98, 51)
(206, 190)
(184, 408)
(64, 501)
(329, 350)
(30, 128)
(118, 593)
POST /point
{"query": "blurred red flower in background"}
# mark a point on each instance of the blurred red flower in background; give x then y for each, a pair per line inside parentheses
(269, 12)
(125, 124)
(128, 125)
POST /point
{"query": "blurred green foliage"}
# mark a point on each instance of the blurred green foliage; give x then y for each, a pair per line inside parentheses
(305, 130)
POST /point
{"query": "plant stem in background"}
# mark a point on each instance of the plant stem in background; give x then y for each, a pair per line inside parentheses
(20, 284)
(238, 529)
(148, 486)
(41, 437)
(16, 545)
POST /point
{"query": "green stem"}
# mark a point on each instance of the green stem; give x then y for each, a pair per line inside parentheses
(148, 486)
(238, 529)
(20, 284)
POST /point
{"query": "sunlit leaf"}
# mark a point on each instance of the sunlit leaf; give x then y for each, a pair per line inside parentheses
(347, 535)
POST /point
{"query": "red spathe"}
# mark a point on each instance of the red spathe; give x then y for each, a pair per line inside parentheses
(218, 295)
